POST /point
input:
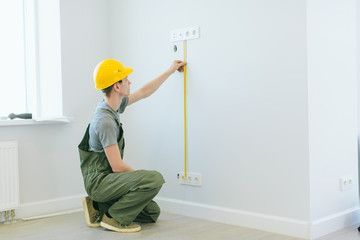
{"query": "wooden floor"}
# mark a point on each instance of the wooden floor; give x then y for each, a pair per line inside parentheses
(169, 226)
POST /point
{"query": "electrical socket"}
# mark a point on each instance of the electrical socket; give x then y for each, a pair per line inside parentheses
(184, 34)
(346, 182)
(178, 50)
(193, 179)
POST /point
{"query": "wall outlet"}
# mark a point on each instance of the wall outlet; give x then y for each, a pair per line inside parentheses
(178, 51)
(184, 34)
(346, 183)
(193, 179)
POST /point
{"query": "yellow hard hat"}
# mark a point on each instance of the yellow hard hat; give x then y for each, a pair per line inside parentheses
(108, 72)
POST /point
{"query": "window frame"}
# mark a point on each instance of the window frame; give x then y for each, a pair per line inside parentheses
(42, 41)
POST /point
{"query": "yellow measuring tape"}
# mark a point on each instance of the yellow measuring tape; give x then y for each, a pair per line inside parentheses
(185, 167)
(185, 137)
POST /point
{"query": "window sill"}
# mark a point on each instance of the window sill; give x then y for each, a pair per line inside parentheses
(39, 121)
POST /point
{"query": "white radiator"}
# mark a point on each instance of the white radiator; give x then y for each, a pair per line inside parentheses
(9, 177)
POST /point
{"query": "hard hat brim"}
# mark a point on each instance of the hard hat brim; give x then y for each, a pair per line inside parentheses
(127, 71)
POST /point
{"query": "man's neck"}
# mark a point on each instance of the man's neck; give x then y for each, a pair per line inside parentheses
(114, 102)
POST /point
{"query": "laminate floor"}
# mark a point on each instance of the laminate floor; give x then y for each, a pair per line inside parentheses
(169, 227)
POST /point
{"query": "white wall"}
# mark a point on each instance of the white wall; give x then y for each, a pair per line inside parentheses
(332, 81)
(50, 177)
(247, 101)
(358, 75)
(271, 113)
(332, 77)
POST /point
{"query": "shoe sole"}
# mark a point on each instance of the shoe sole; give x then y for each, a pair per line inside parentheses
(124, 230)
(87, 217)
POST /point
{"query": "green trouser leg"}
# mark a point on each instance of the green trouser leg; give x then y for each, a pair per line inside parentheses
(128, 196)
(149, 214)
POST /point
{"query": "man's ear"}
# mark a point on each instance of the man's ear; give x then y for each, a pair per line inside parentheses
(116, 86)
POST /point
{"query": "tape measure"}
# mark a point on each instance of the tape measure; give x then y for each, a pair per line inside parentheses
(185, 136)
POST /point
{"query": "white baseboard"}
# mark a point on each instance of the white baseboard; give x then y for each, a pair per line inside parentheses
(264, 222)
(53, 214)
(335, 222)
(49, 207)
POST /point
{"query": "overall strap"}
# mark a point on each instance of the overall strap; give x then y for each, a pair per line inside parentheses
(121, 131)
(104, 110)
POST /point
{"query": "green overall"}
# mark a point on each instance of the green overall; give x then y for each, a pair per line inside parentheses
(126, 196)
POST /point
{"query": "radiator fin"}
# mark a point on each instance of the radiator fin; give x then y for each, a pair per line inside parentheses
(9, 176)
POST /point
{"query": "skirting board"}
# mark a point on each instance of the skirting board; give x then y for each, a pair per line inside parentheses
(335, 222)
(50, 207)
(269, 223)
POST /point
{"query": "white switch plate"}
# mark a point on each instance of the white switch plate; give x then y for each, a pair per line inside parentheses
(184, 34)
(193, 179)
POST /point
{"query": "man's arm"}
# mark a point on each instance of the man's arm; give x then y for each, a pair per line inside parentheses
(152, 86)
(117, 164)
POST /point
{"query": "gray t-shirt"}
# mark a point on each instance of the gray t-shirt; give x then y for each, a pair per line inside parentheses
(104, 130)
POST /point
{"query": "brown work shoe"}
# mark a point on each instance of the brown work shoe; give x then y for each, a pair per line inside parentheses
(113, 225)
(91, 214)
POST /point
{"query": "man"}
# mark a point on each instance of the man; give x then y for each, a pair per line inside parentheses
(118, 195)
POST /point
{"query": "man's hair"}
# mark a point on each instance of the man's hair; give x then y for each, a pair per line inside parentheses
(108, 89)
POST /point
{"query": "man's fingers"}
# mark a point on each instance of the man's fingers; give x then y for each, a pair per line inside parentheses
(179, 65)
(180, 62)
(183, 63)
